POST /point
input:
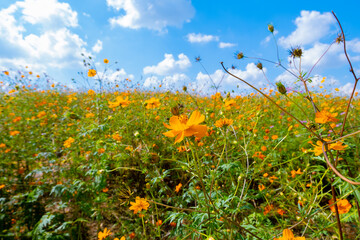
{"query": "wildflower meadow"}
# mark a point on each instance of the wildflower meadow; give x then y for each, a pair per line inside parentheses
(117, 162)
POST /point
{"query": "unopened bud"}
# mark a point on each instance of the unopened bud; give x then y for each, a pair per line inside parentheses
(239, 55)
(259, 65)
(184, 88)
(281, 88)
(271, 28)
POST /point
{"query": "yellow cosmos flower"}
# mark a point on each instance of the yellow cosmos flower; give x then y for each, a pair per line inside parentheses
(91, 73)
(325, 116)
(261, 187)
(182, 127)
(89, 115)
(229, 104)
(152, 103)
(139, 204)
(224, 122)
(123, 102)
(68, 142)
(91, 92)
(334, 146)
(288, 235)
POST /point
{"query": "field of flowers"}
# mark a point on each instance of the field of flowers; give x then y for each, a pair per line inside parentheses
(162, 165)
(120, 163)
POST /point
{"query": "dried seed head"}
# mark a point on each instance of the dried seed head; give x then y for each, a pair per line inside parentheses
(295, 52)
(339, 39)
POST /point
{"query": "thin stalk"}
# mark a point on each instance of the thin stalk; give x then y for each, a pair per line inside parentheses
(273, 102)
(336, 209)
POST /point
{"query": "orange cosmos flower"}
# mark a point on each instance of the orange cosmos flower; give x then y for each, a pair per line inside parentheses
(6, 73)
(342, 204)
(224, 122)
(139, 204)
(268, 208)
(280, 211)
(13, 133)
(91, 73)
(298, 172)
(106, 61)
(274, 137)
(91, 92)
(152, 103)
(178, 187)
(261, 187)
(288, 235)
(103, 235)
(324, 117)
(182, 127)
(68, 142)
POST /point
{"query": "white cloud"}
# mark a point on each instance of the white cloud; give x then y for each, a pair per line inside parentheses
(113, 76)
(226, 45)
(97, 47)
(201, 38)
(56, 46)
(170, 82)
(311, 27)
(169, 65)
(333, 58)
(50, 13)
(346, 89)
(151, 14)
(268, 38)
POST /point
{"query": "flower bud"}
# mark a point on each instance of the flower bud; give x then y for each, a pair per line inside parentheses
(239, 55)
(281, 88)
(271, 28)
(184, 88)
(259, 65)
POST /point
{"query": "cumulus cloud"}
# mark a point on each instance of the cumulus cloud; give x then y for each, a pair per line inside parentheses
(151, 14)
(311, 26)
(119, 75)
(201, 38)
(226, 45)
(170, 82)
(97, 47)
(55, 45)
(346, 89)
(56, 15)
(268, 38)
(169, 65)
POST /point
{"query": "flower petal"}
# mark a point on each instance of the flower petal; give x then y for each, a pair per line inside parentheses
(195, 119)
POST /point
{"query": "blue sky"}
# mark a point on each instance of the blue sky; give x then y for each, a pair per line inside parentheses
(156, 41)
